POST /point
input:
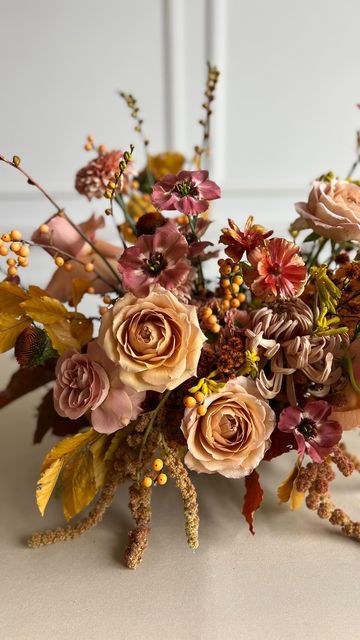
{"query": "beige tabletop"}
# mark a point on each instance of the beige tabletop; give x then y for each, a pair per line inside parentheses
(296, 578)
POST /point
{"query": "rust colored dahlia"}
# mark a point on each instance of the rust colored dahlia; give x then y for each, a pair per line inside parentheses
(91, 181)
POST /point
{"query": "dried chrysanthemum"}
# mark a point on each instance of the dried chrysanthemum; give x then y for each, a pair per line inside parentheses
(93, 179)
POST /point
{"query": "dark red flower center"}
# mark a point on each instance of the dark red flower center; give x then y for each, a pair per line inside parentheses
(275, 269)
(186, 188)
(155, 264)
(307, 428)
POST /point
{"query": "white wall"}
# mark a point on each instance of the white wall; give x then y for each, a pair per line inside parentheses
(285, 110)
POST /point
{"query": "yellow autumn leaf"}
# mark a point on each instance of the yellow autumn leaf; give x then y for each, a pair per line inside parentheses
(79, 288)
(81, 328)
(45, 310)
(10, 329)
(11, 295)
(115, 443)
(46, 484)
(36, 292)
(288, 491)
(98, 450)
(61, 336)
(78, 484)
(69, 446)
(296, 498)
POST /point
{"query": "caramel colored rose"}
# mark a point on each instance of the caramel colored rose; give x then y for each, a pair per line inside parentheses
(156, 341)
(233, 435)
(332, 210)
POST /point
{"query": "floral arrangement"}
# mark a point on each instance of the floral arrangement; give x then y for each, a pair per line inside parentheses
(175, 373)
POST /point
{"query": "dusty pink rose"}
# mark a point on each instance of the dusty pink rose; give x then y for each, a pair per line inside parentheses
(158, 258)
(315, 432)
(90, 383)
(187, 191)
(156, 341)
(233, 436)
(276, 270)
(62, 237)
(332, 210)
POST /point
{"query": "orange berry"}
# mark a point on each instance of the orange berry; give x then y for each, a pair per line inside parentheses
(23, 262)
(4, 251)
(215, 328)
(157, 464)
(90, 138)
(12, 271)
(15, 234)
(225, 305)
(228, 295)
(225, 270)
(44, 228)
(5, 237)
(189, 402)
(91, 290)
(88, 146)
(211, 320)
(236, 268)
(102, 149)
(24, 251)
(224, 283)
(59, 261)
(162, 478)
(235, 288)
(102, 310)
(68, 265)
(106, 299)
(220, 262)
(238, 280)
(241, 297)
(235, 303)
(147, 482)
(11, 262)
(89, 267)
(15, 247)
(206, 313)
(199, 396)
(201, 410)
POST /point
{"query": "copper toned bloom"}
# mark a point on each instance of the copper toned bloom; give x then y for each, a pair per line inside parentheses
(240, 242)
(92, 180)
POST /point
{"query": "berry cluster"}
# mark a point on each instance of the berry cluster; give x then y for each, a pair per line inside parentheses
(154, 476)
(230, 282)
(12, 242)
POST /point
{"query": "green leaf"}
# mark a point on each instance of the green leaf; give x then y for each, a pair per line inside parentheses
(311, 237)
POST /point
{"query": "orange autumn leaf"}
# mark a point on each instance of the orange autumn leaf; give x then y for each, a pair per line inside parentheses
(252, 499)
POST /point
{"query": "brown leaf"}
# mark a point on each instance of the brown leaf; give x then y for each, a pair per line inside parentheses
(25, 380)
(252, 499)
(11, 295)
(79, 288)
(49, 420)
(81, 329)
(281, 442)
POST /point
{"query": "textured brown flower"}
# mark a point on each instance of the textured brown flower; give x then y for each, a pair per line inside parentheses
(91, 181)
(231, 356)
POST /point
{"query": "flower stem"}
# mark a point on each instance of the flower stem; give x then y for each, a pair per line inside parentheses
(149, 427)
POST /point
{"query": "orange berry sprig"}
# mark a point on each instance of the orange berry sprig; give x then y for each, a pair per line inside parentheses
(209, 320)
(154, 476)
(230, 282)
(90, 146)
(198, 392)
(17, 246)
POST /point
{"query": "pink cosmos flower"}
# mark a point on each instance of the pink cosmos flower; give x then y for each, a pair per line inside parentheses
(159, 258)
(276, 270)
(90, 383)
(315, 434)
(239, 242)
(187, 191)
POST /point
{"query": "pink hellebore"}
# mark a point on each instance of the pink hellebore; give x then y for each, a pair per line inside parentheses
(159, 258)
(187, 191)
(315, 434)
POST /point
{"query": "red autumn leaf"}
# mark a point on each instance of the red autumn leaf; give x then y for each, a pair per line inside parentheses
(252, 499)
(25, 380)
(281, 442)
(49, 420)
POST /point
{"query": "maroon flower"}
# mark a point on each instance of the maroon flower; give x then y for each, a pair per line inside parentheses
(314, 433)
(159, 258)
(187, 191)
(240, 242)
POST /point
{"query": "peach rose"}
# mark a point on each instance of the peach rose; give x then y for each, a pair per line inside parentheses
(332, 210)
(156, 341)
(233, 435)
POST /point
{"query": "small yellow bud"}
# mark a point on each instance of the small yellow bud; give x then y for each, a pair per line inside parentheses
(147, 482)
(157, 464)
(59, 261)
(16, 161)
(162, 478)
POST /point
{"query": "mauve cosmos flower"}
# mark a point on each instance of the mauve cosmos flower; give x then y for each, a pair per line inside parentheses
(240, 242)
(159, 258)
(315, 434)
(276, 270)
(187, 191)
